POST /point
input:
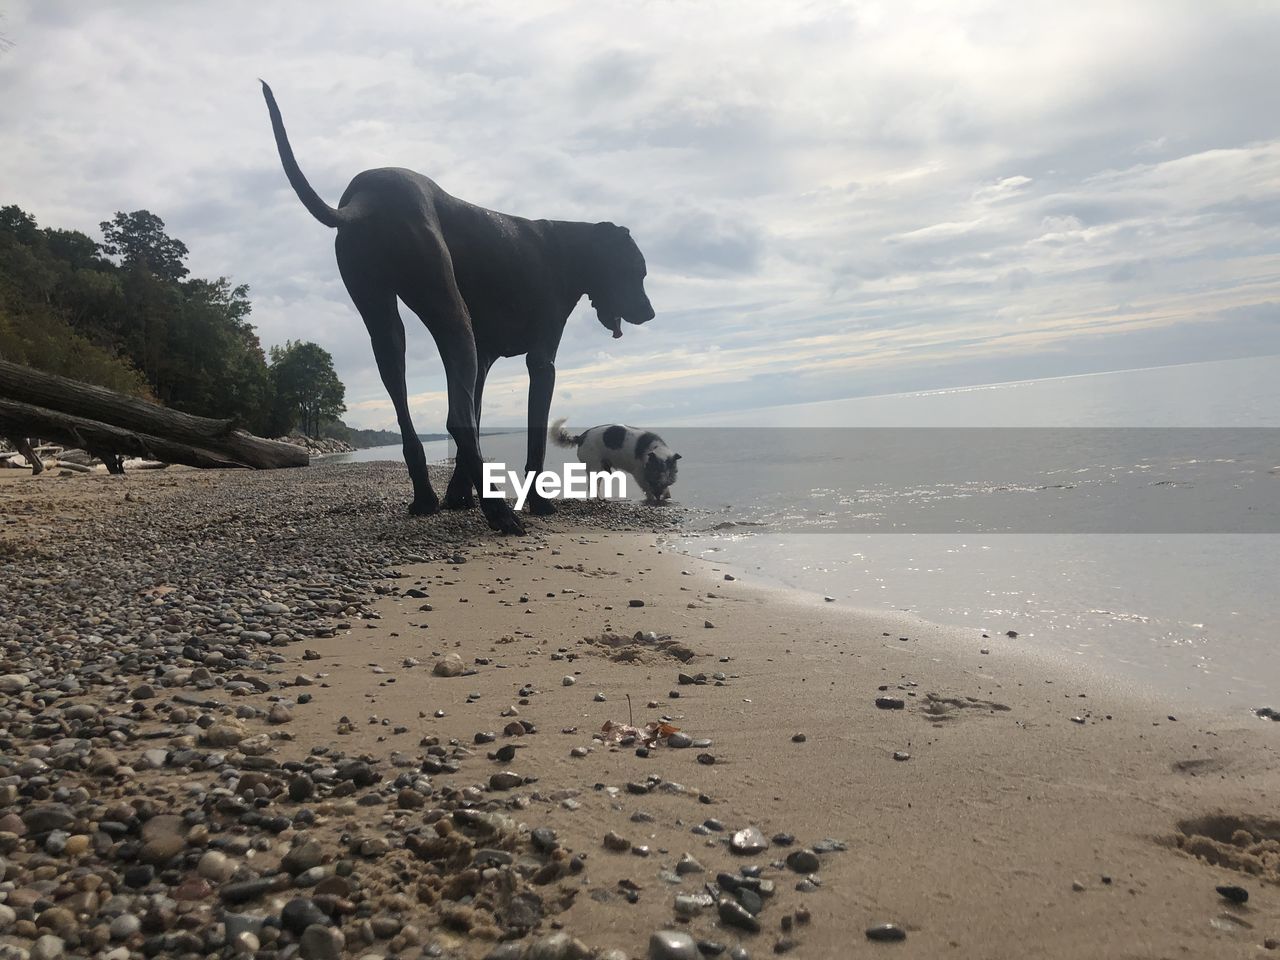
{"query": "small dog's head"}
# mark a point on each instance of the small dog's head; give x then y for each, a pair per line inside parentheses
(660, 474)
(616, 285)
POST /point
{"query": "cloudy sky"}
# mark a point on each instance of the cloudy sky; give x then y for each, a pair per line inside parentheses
(834, 198)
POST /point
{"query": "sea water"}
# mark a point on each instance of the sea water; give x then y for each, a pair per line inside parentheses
(1129, 520)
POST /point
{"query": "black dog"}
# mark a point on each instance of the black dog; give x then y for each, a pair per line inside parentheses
(485, 284)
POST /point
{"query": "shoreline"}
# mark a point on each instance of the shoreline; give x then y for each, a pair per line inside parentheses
(973, 845)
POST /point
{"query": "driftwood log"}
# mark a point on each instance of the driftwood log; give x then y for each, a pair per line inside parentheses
(56, 408)
(23, 446)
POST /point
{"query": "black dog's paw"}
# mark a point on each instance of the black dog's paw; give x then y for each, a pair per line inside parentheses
(458, 500)
(424, 506)
(505, 522)
(540, 506)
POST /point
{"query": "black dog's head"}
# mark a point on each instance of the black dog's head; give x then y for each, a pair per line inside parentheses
(616, 285)
(660, 473)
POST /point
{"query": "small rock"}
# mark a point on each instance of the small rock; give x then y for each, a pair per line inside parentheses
(890, 703)
(1233, 893)
(803, 861)
(616, 842)
(505, 780)
(672, 945)
(688, 865)
(450, 665)
(748, 842)
(736, 915)
(886, 933)
(322, 943)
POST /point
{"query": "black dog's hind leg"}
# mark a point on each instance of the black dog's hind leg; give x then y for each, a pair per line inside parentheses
(542, 381)
(457, 495)
(433, 295)
(377, 306)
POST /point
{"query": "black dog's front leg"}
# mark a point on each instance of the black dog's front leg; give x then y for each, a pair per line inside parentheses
(458, 495)
(542, 381)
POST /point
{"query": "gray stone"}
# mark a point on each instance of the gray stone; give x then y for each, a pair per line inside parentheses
(736, 915)
(303, 856)
(749, 842)
(125, 926)
(672, 945)
(687, 865)
(557, 946)
(803, 861)
(322, 943)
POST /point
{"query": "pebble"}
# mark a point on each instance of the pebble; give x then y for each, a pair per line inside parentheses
(890, 703)
(672, 945)
(736, 915)
(450, 665)
(748, 842)
(803, 861)
(886, 933)
(125, 926)
(505, 780)
(616, 842)
(322, 943)
(687, 865)
(1233, 893)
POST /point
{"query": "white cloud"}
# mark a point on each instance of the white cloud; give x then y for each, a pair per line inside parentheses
(823, 191)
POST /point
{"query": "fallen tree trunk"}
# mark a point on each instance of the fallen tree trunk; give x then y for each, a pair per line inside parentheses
(218, 440)
(82, 432)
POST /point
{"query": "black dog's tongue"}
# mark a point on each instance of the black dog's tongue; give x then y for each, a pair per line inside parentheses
(617, 327)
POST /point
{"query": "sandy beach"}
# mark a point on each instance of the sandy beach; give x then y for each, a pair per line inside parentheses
(992, 804)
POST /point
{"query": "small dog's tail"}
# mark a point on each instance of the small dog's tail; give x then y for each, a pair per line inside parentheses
(329, 216)
(560, 436)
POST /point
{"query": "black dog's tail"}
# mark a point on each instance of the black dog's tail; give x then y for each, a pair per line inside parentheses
(560, 436)
(329, 216)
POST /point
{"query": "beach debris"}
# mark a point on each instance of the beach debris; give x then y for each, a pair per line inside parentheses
(648, 735)
(640, 646)
(890, 703)
(1233, 893)
(886, 933)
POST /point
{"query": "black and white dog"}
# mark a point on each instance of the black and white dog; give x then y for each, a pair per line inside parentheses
(612, 446)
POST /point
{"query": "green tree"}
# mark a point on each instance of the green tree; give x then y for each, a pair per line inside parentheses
(308, 392)
(139, 240)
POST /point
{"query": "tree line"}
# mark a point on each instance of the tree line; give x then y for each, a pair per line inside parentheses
(125, 313)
